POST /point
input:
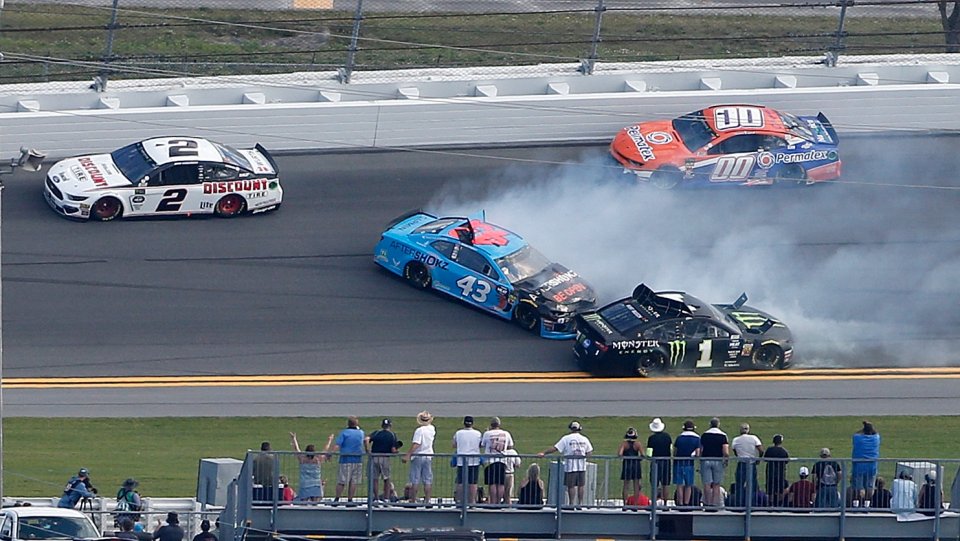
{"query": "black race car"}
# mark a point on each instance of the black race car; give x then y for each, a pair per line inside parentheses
(649, 333)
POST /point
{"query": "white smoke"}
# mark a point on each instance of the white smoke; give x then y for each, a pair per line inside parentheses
(834, 262)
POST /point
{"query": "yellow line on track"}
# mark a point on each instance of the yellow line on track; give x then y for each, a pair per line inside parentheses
(465, 378)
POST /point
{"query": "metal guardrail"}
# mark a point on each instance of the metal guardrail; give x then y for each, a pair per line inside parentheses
(605, 496)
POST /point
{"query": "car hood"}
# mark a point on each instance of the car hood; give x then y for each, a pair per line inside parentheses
(649, 142)
(86, 173)
(558, 284)
(753, 322)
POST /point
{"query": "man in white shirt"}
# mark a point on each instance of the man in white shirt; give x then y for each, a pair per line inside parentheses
(495, 443)
(575, 448)
(747, 448)
(466, 442)
(420, 457)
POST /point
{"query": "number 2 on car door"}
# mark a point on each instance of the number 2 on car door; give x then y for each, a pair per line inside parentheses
(172, 200)
(475, 289)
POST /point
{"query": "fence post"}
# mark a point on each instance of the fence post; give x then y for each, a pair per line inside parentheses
(100, 82)
(558, 493)
(347, 70)
(654, 502)
(371, 493)
(587, 64)
(843, 490)
(748, 495)
(834, 53)
(937, 491)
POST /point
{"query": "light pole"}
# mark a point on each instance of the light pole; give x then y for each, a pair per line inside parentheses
(29, 160)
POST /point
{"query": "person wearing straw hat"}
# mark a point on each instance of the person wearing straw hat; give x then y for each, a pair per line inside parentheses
(420, 457)
(659, 448)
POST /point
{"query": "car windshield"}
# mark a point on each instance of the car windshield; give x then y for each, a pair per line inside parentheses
(522, 264)
(797, 127)
(693, 130)
(56, 528)
(133, 162)
(233, 156)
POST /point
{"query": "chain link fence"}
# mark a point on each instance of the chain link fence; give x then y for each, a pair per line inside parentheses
(103, 40)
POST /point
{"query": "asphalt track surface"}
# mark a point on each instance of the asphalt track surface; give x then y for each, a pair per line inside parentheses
(295, 291)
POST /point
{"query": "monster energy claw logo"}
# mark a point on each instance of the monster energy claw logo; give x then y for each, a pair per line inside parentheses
(678, 349)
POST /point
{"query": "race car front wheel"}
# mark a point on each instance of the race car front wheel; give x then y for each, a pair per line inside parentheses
(106, 209)
(649, 364)
(790, 174)
(230, 205)
(768, 357)
(417, 275)
(666, 178)
(527, 317)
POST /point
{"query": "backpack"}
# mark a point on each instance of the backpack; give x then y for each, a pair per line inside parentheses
(829, 475)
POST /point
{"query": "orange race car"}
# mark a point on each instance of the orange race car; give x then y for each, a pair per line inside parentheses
(730, 145)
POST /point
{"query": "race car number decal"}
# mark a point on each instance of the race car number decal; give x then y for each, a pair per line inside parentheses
(475, 289)
(733, 168)
(182, 147)
(706, 354)
(728, 118)
(172, 200)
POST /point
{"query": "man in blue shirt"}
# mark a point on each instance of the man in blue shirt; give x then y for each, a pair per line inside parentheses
(76, 489)
(686, 446)
(866, 451)
(350, 445)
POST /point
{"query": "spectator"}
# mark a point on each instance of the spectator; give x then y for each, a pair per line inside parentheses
(903, 499)
(420, 457)
(311, 480)
(686, 446)
(512, 462)
(696, 496)
(349, 443)
(128, 501)
(496, 441)
(77, 488)
(287, 494)
(714, 453)
(826, 475)
(382, 444)
(659, 447)
(466, 443)
(630, 470)
(531, 489)
(575, 448)
(263, 474)
(748, 448)
(126, 530)
(205, 534)
(171, 531)
(881, 496)
(866, 451)
(776, 482)
(931, 496)
(801, 493)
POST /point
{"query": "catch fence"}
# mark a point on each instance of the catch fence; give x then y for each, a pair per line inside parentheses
(103, 40)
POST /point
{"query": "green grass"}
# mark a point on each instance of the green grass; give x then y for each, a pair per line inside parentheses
(184, 41)
(163, 453)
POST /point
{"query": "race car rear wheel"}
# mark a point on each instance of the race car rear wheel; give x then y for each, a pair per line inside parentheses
(106, 209)
(649, 364)
(792, 173)
(768, 357)
(666, 178)
(229, 206)
(527, 317)
(417, 274)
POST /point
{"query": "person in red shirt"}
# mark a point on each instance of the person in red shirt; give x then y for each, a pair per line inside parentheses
(800, 494)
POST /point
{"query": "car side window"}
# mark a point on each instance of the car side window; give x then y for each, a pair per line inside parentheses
(444, 247)
(474, 261)
(6, 528)
(662, 333)
(715, 331)
(739, 143)
(694, 329)
(177, 175)
(772, 142)
(217, 171)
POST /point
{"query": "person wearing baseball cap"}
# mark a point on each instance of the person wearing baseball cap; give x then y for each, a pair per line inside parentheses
(466, 443)
(382, 445)
(575, 448)
(801, 493)
(495, 443)
(77, 489)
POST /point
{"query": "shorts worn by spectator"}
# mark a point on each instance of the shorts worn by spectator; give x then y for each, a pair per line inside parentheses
(575, 448)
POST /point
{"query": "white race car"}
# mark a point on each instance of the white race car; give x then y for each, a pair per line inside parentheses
(165, 176)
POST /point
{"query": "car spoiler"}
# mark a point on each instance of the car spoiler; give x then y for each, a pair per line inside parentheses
(828, 126)
(259, 148)
(663, 307)
(406, 215)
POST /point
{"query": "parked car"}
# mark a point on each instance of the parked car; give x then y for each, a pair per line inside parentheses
(31, 523)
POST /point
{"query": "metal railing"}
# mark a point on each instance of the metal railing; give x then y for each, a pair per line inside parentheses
(47, 40)
(746, 484)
